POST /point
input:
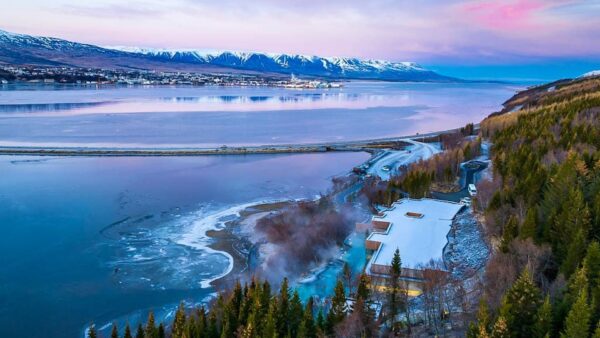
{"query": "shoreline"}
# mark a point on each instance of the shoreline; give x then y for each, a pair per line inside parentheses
(354, 146)
(239, 248)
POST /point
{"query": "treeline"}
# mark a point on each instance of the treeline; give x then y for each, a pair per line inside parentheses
(254, 310)
(417, 179)
(542, 210)
(356, 309)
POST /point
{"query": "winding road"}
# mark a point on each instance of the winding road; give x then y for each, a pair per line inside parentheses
(393, 159)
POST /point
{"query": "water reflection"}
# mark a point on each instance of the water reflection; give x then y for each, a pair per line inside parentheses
(47, 107)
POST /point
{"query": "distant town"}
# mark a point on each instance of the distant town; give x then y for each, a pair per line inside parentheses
(92, 76)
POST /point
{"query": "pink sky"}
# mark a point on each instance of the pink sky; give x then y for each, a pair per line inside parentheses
(424, 31)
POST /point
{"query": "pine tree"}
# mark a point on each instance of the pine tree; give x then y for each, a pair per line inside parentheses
(179, 322)
(150, 330)
(321, 322)
(511, 230)
(573, 217)
(520, 306)
(92, 331)
(284, 307)
(307, 328)
(347, 272)
(337, 313)
(127, 333)
(597, 331)
(394, 287)
(161, 331)
(591, 264)
(140, 331)
(362, 290)
(529, 226)
(577, 324)
(114, 333)
(295, 314)
(575, 253)
(482, 327)
(543, 325)
(213, 329)
(248, 331)
(270, 328)
(500, 329)
(201, 322)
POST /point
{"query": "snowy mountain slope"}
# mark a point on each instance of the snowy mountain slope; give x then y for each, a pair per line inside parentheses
(351, 68)
(27, 49)
(592, 73)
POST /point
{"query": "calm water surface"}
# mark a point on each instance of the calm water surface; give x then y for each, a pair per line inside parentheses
(215, 116)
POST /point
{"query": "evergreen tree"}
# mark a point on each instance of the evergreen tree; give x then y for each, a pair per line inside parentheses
(337, 313)
(284, 307)
(511, 230)
(575, 253)
(307, 328)
(543, 325)
(482, 327)
(114, 333)
(577, 324)
(178, 328)
(295, 314)
(591, 264)
(597, 331)
(213, 329)
(347, 272)
(362, 290)
(529, 226)
(150, 330)
(321, 322)
(394, 287)
(201, 322)
(161, 331)
(520, 306)
(127, 333)
(500, 329)
(92, 331)
(270, 329)
(573, 217)
(140, 331)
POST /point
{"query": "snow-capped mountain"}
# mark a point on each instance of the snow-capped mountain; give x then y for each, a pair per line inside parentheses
(27, 49)
(592, 73)
(350, 68)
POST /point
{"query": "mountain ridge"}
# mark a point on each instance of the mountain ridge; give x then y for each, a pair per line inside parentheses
(23, 49)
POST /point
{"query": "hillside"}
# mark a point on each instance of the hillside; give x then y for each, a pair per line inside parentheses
(542, 212)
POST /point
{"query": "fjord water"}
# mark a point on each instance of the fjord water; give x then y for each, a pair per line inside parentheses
(216, 116)
(99, 238)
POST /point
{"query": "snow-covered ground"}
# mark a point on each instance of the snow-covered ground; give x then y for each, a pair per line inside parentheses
(387, 164)
(418, 239)
(592, 73)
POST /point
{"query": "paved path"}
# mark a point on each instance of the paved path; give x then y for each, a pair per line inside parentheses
(467, 176)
